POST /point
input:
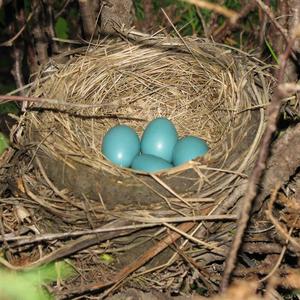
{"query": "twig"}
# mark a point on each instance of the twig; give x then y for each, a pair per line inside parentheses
(222, 31)
(279, 228)
(17, 54)
(273, 113)
(201, 272)
(65, 4)
(78, 245)
(23, 240)
(200, 15)
(209, 246)
(232, 15)
(179, 219)
(269, 13)
(65, 216)
(8, 98)
(179, 35)
(287, 235)
(169, 189)
(263, 24)
(10, 42)
(132, 267)
(16, 71)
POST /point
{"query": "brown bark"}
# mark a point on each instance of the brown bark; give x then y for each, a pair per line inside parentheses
(88, 18)
(294, 19)
(220, 33)
(116, 13)
(284, 161)
(17, 48)
(41, 43)
(293, 14)
(287, 17)
(49, 28)
(277, 40)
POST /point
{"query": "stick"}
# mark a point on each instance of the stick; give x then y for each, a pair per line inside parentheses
(231, 14)
(139, 262)
(250, 195)
(7, 98)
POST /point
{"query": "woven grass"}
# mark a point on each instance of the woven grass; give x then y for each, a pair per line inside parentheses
(207, 90)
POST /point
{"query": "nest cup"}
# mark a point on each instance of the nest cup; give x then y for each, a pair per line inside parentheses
(206, 89)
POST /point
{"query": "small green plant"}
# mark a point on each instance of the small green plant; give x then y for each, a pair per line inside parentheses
(139, 9)
(61, 28)
(4, 143)
(106, 258)
(29, 285)
(9, 108)
(272, 51)
(233, 4)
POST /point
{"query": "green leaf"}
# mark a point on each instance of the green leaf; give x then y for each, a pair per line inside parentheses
(61, 28)
(233, 4)
(4, 143)
(272, 51)
(9, 108)
(28, 285)
(106, 258)
(158, 4)
(139, 9)
(49, 273)
(16, 286)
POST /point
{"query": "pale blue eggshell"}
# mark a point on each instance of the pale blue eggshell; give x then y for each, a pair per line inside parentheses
(150, 163)
(188, 148)
(159, 138)
(121, 145)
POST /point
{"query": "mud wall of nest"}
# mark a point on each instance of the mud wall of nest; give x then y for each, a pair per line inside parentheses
(205, 89)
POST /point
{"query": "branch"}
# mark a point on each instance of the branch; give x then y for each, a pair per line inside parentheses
(269, 13)
(232, 15)
(62, 10)
(16, 71)
(49, 25)
(222, 31)
(132, 267)
(254, 179)
(10, 42)
(263, 25)
(146, 223)
(41, 42)
(88, 18)
(7, 98)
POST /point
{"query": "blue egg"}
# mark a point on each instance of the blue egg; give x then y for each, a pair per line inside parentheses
(188, 148)
(121, 145)
(159, 139)
(150, 163)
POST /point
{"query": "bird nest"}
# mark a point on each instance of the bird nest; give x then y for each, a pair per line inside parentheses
(206, 89)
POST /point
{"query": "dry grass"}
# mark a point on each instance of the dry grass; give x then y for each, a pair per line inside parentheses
(206, 89)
